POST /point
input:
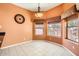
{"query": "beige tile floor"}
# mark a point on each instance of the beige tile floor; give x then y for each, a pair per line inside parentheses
(35, 48)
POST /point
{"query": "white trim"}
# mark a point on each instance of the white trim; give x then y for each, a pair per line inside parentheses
(63, 47)
(31, 41)
(69, 50)
(55, 43)
(16, 44)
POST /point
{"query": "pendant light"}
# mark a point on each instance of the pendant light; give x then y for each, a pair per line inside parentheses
(39, 13)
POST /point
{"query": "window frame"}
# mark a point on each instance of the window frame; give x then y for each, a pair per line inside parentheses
(39, 28)
(55, 27)
(67, 27)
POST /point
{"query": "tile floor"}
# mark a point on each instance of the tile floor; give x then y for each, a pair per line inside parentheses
(35, 48)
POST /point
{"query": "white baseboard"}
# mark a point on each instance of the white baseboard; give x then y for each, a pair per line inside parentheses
(31, 41)
(55, 43)
(63, 47)
(69, 50)
(16, 44)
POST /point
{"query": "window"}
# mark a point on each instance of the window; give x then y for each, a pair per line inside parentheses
(54, 29)
(39, 29)
(73, 30)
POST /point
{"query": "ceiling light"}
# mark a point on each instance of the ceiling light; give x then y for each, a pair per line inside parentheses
(39, 14)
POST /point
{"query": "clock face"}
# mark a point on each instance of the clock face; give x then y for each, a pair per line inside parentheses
(19, 18)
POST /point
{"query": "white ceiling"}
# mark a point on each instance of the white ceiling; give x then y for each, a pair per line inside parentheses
(34, 6)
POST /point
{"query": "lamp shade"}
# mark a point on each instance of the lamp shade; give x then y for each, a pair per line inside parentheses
(38, 14)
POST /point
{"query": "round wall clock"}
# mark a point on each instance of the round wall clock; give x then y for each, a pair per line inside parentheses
(19, 18)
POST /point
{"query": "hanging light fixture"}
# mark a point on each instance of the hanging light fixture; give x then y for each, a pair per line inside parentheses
(39, 13)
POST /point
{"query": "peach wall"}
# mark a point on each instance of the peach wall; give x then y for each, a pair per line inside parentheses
(15, 33)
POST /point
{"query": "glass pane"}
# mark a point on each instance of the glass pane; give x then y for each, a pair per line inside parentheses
(73, 23)
(39, 29)
(73, 30)
(39, 26)
(73, 33)
(54, 29)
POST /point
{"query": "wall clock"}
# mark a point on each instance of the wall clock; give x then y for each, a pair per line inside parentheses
(19, 18)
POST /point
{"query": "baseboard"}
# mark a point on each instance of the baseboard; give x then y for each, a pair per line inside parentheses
(63, 47)
(69, 50)
(31, 41)
(54, 43)
(16, 44)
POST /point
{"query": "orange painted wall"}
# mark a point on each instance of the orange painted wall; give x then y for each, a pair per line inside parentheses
(15, 33)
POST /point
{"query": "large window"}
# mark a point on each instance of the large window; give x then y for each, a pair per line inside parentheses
(39, 29)
(54, 29)
(73, 30)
